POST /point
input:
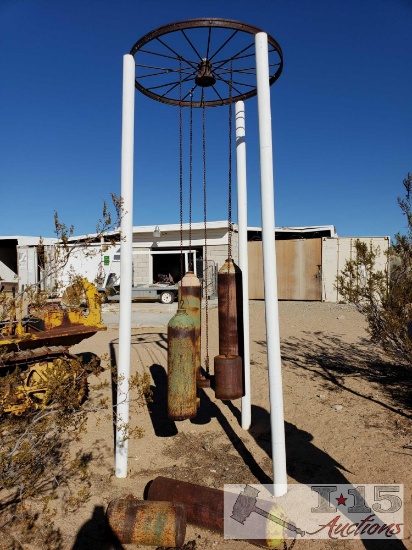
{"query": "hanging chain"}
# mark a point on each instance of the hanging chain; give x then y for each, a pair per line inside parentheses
(229, 215)
(190, 172)
(205, 271)
(181, 169)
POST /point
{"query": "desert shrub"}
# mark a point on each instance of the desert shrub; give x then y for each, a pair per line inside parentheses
(37, 464)
(384, 297)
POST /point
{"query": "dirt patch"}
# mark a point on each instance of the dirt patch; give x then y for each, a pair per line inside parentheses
(347, 420)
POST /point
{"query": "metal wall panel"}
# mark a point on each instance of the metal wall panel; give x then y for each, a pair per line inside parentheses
(298, 262)
(255, 261)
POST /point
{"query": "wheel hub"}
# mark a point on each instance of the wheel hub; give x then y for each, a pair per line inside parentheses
(205, 77)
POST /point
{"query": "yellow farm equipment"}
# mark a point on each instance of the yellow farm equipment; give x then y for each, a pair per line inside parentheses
(35, 363)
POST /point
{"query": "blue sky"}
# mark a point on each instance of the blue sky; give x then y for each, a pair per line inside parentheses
(341, 115)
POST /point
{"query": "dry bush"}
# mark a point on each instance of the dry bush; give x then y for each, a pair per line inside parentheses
(385, 297)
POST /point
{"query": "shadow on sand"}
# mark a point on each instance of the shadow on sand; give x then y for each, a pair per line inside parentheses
(96, 534)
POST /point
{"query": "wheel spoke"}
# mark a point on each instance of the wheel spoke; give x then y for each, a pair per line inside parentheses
(238, 83)
(166, 71)
(173, 84)
(159, 54)
(162, 69)
(234, 87)
(193, 65)
(252, 70)
(208, 42)
(190, 92)
(218, 95)
(235, 57)
(191, 45)
(223, 45)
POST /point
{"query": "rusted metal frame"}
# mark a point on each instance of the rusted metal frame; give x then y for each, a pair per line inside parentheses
(197, 23)
(194, 23)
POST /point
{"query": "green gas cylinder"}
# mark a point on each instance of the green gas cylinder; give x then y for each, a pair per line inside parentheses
(181, 375)
(190, 299)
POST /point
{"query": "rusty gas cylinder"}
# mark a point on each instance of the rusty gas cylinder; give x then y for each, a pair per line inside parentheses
(135, 521)
(181, 375)
(190, 299)
(228, 364)
(230, 303)
(228, 377)
(204, 506)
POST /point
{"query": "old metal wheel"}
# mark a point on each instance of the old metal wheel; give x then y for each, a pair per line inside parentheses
(42, 382)
(44, 376)
(194, 63)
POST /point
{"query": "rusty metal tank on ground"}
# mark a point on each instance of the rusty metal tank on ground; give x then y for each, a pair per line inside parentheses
(204, 505)
(37, 345)
(181, 375)
(135, 521)
(228, 364)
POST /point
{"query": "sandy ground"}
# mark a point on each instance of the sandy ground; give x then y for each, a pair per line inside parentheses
(327, 360)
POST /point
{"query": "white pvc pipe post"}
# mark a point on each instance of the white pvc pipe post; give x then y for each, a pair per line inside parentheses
(126, 269)
(277, 422)
(243, 254)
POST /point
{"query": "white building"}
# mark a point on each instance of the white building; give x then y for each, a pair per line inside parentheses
(308, 258)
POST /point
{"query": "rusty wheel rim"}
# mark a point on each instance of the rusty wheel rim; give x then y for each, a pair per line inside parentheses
(205, 57)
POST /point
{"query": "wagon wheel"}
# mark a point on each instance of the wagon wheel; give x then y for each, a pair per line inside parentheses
(47, 380)
(194, 63)
(42, 384)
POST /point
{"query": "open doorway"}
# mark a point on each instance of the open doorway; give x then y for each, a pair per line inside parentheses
(166, 268)
(167, 264)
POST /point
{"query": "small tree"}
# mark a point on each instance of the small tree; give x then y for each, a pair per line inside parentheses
(384, 297)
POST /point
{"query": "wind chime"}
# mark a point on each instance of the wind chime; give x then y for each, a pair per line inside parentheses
(216, 71)
(184, 329)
